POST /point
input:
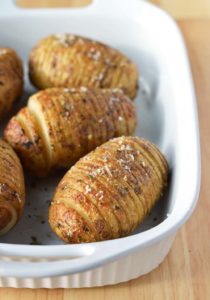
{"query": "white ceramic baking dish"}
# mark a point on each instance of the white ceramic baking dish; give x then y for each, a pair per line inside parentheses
(167, 116)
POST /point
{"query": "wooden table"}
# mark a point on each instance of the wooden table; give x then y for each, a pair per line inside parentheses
(185, 273)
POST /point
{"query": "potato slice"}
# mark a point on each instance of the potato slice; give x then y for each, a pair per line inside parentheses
(12, 189)
(11, 79)
(122, 178)
(60, 125)
(72, 61)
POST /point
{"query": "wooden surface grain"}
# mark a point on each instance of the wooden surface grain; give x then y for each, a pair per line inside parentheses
(185, 273)
(177, 8)
(185, 8)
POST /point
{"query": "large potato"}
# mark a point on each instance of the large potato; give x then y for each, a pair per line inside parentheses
(11, 79)
(59, 126)
(12, 189)
(108, 193)
(72, 61)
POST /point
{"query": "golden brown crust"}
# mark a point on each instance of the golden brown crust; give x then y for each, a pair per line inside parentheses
(68, 217)
(59, 125)
(111, 190)
(12, 189)
(72, 61)
(11, 79)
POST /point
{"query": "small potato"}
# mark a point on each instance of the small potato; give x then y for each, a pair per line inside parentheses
(108, 192)
(12, 189)
(11, 79)
(59, 125)
(72, 61)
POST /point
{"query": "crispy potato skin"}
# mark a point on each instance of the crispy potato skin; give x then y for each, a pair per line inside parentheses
(12, 188)
(59, 125)
(72, 61)
(108, 192)
(11, 79)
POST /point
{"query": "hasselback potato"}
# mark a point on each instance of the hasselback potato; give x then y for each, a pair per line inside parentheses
(11, 79)
(107, 193)
(59, 125)
(66, 60)
(12, 189)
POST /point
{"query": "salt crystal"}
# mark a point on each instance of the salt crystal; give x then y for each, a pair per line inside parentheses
(127, 168)
(125, 147)
(96, 172)
(95, 55)
(69, 90)
(121, 161)
(87, 189)
(114, 99)
(117, 90)
(65, 39)
(108, 170)
(143, 164)
(100, 77)
(100, 195)
(83, 89)
(131, 157)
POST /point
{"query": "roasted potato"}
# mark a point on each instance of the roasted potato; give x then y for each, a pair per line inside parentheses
(72, 61)
(60, 125)
(11, 79)
(12, 189)
(108, 192)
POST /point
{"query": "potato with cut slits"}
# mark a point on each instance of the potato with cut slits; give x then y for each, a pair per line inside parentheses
(108, 193)
(58, 126)
(12, 189)
(11, 79)
(67, 60)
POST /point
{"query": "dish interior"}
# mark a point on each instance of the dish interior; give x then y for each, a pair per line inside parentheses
(154, 107)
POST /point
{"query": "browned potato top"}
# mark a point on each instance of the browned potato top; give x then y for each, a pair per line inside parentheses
(108, 193)
(12, 190)
(67, 60)
(11, 79)
(60, 125)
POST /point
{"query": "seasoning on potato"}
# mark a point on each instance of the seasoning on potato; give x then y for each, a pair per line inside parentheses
(60, 125)
(11, 79)
(66, 60)
(12, 188)
(109, 192)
